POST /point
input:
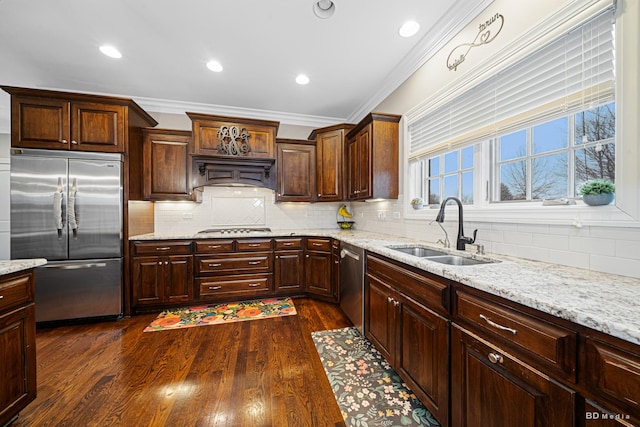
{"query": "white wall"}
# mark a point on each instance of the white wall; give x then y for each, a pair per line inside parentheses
(5, 211)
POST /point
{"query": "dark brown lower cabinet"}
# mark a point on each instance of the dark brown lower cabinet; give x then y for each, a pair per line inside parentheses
(162, 279)
(17, 344)
(288, 271)
(489, 387)
(413, 339)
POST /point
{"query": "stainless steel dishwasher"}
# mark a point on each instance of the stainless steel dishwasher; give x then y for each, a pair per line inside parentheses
(352, 283)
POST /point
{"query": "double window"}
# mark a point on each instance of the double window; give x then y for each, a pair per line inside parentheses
(543, 127)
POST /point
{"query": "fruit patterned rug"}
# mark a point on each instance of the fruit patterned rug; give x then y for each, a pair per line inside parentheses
(220, 313)
(368, 391)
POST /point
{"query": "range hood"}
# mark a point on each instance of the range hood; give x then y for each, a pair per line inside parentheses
(233, 171)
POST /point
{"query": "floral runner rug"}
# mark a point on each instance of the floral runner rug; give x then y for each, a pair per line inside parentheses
(229, 312)
(368, 391)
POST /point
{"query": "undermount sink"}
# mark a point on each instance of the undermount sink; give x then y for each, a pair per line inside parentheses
(458, 260)
(440, 256)
(419, 251)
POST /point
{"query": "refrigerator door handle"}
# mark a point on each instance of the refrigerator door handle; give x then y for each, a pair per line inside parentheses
(58, 200)
(73, 218)
(76, 266)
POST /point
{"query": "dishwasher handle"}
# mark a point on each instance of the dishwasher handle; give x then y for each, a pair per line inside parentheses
(347, 253)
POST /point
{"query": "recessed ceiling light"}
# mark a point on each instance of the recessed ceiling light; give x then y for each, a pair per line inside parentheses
(302, 79)
(110, 51)
(214, 66)
(409, 28)
(324, 8)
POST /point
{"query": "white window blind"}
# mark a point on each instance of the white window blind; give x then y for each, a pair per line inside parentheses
(574, 71)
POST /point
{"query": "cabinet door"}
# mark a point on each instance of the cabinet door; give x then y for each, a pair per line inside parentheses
(359, 164)
(329, 153)
(97, 127)
(296, 166)
(289, 271)
(167, 166)
(422, 360)
(380, 315)
(491, 388)
(317, 267)
(178, 282)
(18, 356)
(353, 168)
(40, 123)
(364, 159)
(147, 280)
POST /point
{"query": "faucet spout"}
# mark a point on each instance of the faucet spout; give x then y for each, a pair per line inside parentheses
(461, 240)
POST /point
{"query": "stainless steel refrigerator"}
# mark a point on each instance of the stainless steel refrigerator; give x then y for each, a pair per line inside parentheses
(67, 207)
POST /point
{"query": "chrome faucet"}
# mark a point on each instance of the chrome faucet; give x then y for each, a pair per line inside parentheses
(461, 240)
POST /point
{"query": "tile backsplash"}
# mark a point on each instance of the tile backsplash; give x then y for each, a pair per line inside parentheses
(612, 250)
(241, 206)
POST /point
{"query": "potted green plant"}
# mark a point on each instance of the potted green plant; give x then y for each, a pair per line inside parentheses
(597, 192)
(417, 203)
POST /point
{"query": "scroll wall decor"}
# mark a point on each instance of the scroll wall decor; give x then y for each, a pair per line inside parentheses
(233, 141)
(487, 32)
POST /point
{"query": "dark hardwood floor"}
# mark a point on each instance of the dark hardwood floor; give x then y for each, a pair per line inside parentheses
(256, 373)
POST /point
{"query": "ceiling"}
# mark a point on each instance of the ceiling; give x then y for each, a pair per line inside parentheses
(353, 59)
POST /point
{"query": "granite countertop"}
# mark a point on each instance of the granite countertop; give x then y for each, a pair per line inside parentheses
(605, 302)
(11, 266)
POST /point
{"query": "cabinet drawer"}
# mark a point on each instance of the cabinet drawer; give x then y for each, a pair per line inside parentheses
(162, 248)
(248, 262)
(253, 245)
(614, 374)
(247, 284)
(429, 292)
(288, 244)
(539, 342)
(15, 291)
(319, 245)
(213, 246)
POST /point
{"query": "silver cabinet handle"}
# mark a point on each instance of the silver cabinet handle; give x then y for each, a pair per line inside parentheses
(165, 248)
(253, 245)
(77, 266)
(495, 358)
(254, 285)
(213, 246)
(288, 244)
(1, 296)
(317, 244)
(214, 288)
(497, 326)
(346, 252)
(254, 262)
(215, 265)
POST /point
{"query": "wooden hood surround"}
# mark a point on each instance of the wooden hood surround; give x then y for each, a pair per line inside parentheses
(233, 151)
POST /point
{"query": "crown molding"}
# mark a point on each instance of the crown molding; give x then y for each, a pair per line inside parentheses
(180, 107)
(454, 20)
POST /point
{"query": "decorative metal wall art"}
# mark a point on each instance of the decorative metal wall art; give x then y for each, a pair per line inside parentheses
(484, 36)
(233, 141)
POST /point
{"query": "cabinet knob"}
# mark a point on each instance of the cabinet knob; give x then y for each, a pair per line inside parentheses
(1, 296)
(166, 263)
(64, 141)
(389, 299)
(495, 358)
(74, 142)
(307, 256)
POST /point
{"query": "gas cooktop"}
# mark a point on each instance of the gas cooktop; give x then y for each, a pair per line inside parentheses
(235, 230)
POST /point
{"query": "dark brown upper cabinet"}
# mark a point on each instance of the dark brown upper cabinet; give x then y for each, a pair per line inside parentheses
(330, 164)
(296, 170)
(372, 158)
(70, 121)
(167, 164)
